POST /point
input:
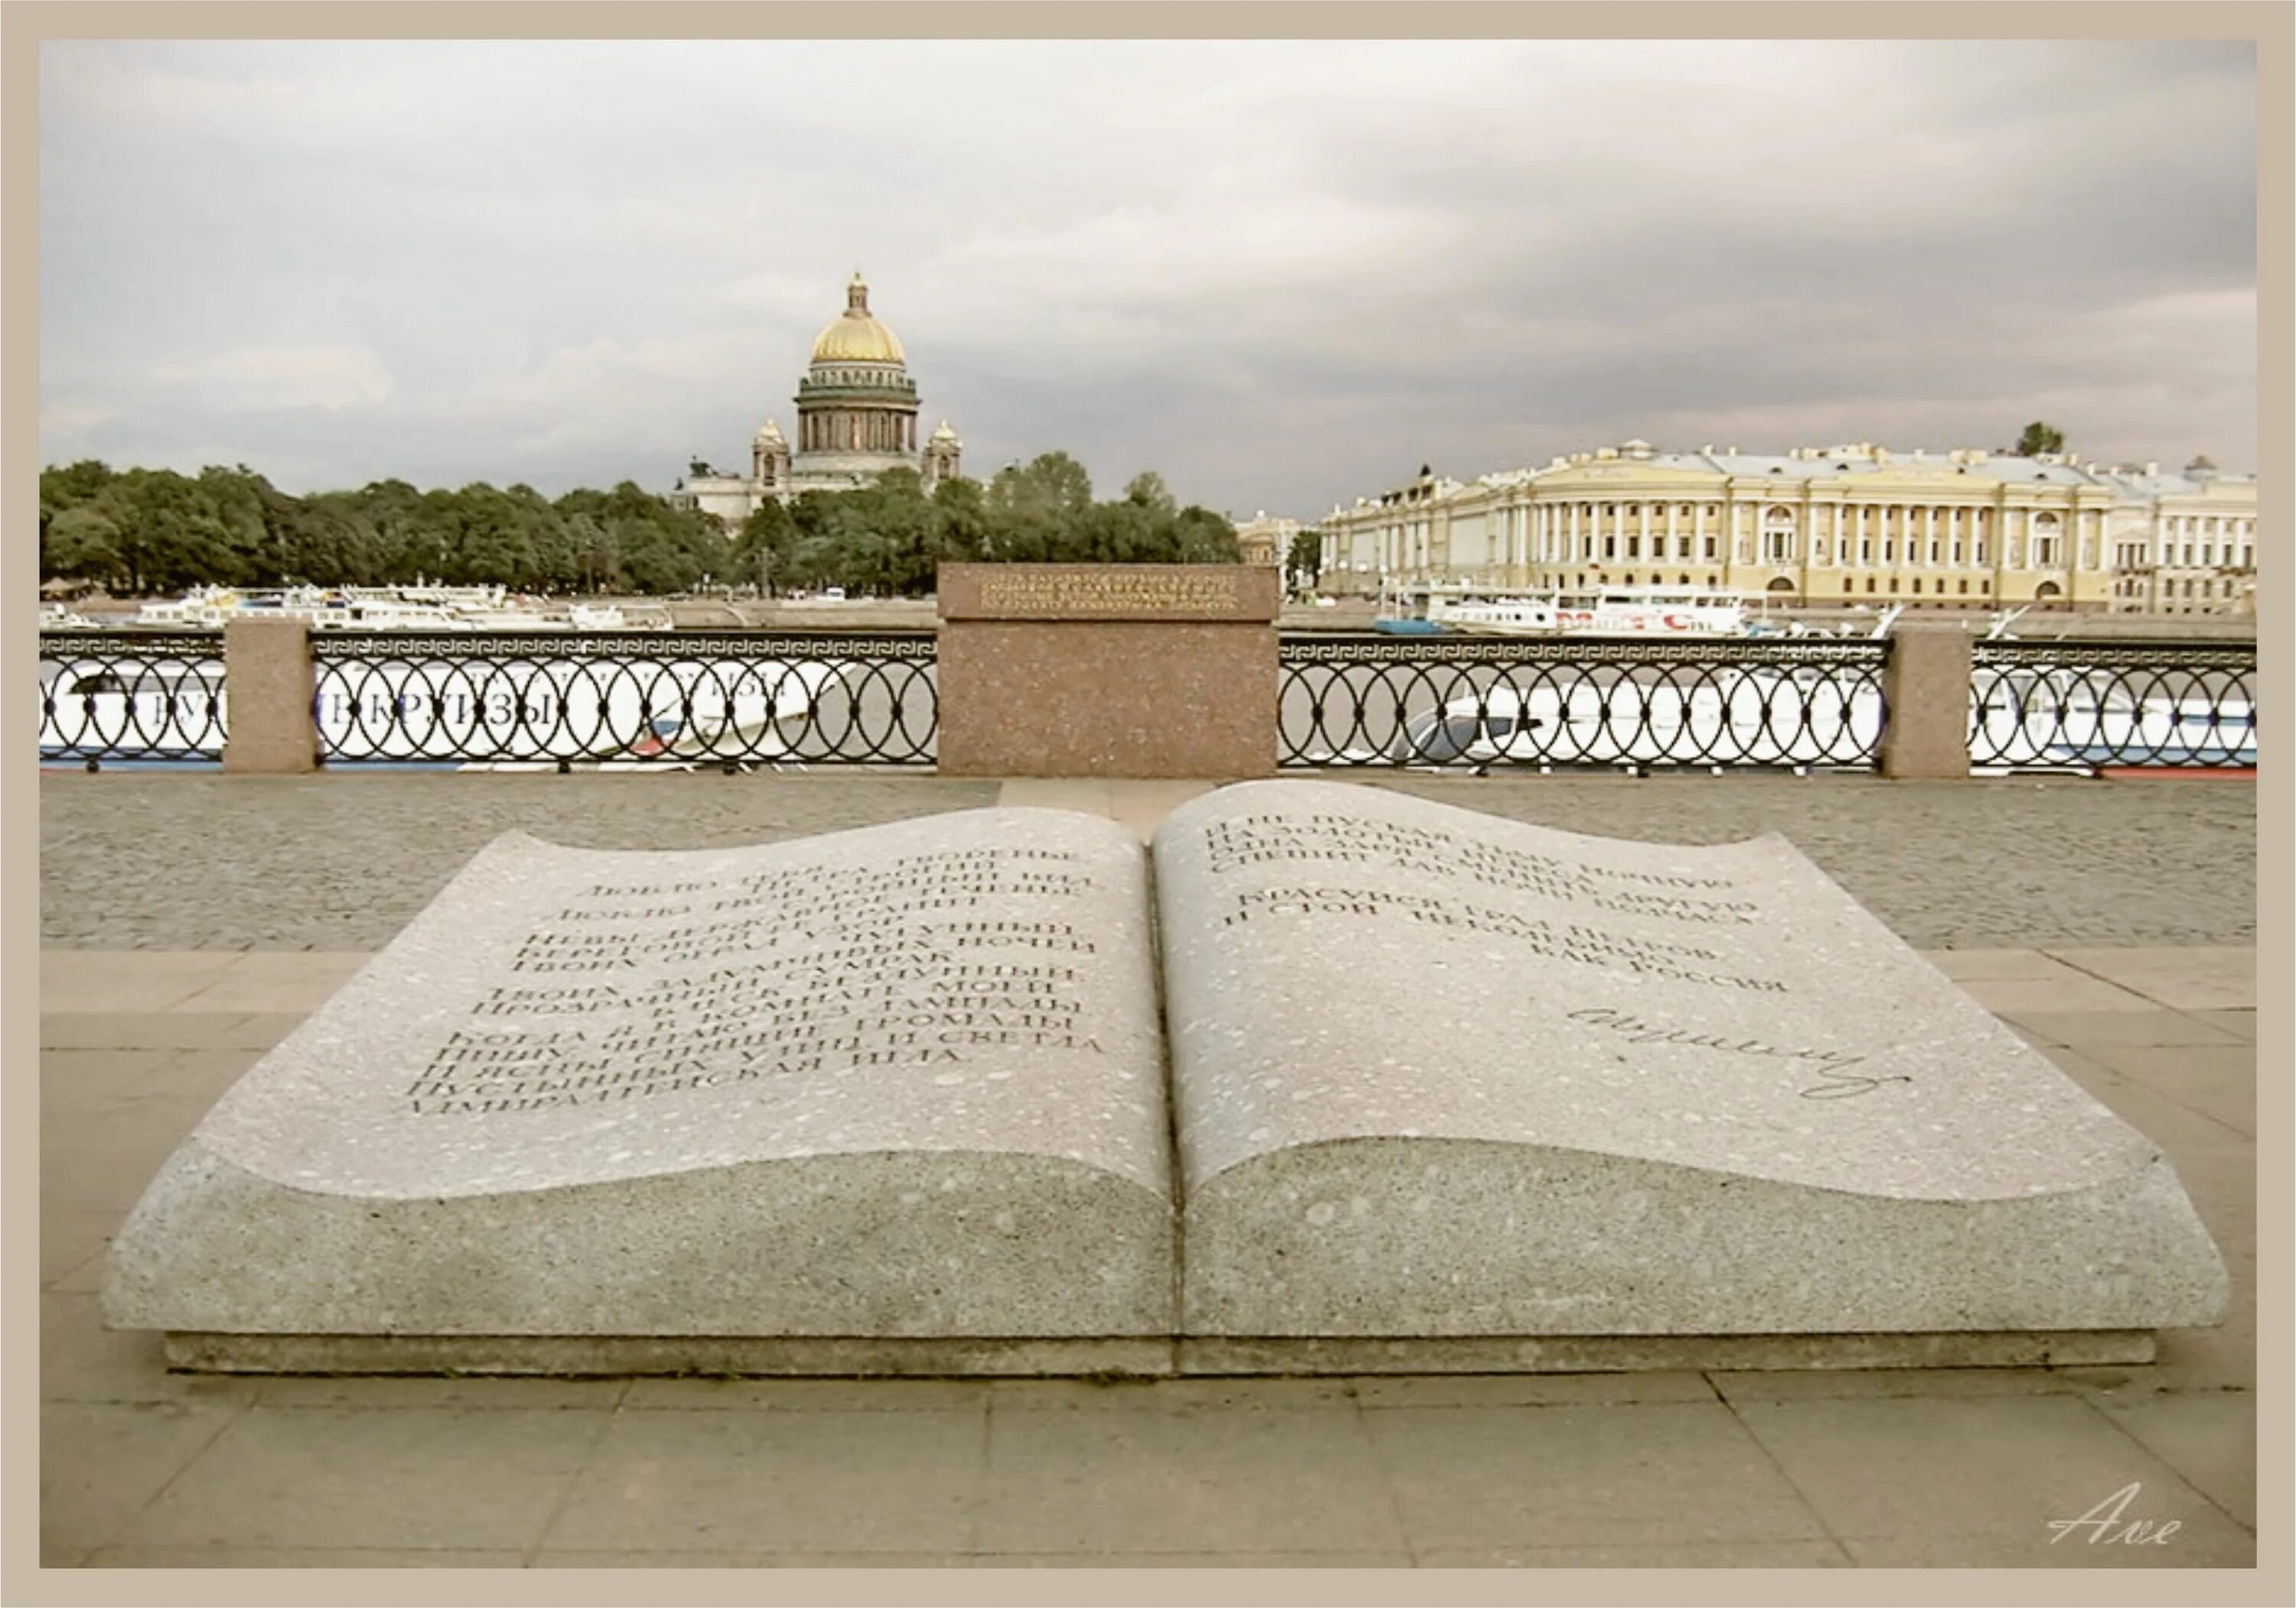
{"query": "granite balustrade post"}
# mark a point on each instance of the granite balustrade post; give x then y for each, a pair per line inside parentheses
(1925, 689)
(1114, 670)
(270, 686)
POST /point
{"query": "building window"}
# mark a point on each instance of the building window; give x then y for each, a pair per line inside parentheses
(1893, 583)
(1710, 546)
(1965, 586)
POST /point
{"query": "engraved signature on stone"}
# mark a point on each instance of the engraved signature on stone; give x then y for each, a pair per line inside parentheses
(2104, 1522)
(1831, 1065)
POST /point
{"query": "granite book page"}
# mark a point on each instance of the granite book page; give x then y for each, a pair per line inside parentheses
(1436, 1072)
(907, 1080)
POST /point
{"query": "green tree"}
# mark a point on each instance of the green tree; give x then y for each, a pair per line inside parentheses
(1122, 533)
(2039, 438)
(761, 550)
(62, 490)
(1036, 512)
(83, 543)
(902, 528)
(961, 522)
(170, 535)
(1205, 537)
(1147, 491)
(1304, 563)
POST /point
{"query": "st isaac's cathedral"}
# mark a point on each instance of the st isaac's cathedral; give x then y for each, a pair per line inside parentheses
(856, 417)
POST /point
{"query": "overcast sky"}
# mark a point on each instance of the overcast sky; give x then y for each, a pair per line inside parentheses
(1284, 275)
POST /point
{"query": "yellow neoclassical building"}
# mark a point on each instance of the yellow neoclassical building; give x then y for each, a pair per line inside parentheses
(2183, 543)
(1837, 525)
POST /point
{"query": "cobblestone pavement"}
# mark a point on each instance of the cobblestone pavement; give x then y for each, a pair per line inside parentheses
(152, 861)
(342, 862)
(2012, 863)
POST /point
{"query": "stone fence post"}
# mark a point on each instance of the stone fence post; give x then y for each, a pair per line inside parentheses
(1925, 689)
(268, 681)
(1121, 670)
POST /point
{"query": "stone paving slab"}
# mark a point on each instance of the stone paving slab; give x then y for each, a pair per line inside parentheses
(456, 1478)
(2067, 995)
(2210, 1440)
(2000, 965)
(271, 983)
(1876, 1471)
(2218, 1081)
(77, 980)
(2201, 978)
(1642, 1473)
(135, 1029)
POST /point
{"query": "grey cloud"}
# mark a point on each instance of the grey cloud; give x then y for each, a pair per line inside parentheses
(1283, 275)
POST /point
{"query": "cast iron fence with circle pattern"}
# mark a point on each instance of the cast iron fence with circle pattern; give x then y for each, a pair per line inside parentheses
(2092, 705)
(736, 698)
(666, 698)
(1614, 702)
(131, 695)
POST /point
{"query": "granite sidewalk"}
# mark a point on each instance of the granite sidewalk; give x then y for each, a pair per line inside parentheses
(1963, 1467)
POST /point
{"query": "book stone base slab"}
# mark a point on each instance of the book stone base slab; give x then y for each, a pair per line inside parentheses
(564, 1355)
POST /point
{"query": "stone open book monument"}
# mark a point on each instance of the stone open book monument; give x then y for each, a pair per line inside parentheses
(1326, 1078)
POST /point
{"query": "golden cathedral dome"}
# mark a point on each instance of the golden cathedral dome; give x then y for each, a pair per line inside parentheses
(856, 337)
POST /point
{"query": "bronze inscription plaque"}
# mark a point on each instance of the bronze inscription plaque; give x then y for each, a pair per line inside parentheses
(1147, 592)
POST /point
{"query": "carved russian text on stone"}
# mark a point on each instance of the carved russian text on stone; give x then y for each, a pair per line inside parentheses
(1435, 1079)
